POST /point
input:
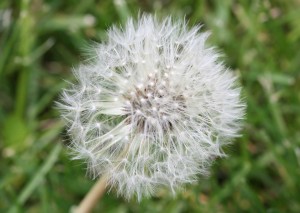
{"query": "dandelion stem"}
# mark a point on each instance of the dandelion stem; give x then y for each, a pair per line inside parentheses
(92, 197)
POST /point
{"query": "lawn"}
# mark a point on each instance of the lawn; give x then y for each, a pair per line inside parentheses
(40, 43)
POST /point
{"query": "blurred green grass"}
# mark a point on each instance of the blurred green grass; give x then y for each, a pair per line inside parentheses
(41, 40)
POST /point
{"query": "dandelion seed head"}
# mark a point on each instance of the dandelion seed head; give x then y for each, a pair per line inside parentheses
(152, 108)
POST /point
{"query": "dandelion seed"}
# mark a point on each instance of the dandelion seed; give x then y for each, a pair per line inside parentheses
(167, 123)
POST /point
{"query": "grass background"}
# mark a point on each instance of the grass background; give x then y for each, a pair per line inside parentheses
(41, 40)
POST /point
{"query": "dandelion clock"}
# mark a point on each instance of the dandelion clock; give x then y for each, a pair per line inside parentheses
(152, 107)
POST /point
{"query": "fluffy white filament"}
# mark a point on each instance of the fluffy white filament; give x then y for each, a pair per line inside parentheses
(152, 108)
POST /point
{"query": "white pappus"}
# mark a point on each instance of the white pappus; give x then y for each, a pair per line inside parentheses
(152, 108)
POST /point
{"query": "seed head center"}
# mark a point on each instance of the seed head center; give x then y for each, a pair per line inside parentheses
(153, 102)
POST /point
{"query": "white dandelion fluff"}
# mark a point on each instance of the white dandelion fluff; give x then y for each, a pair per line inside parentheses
(152, 108)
